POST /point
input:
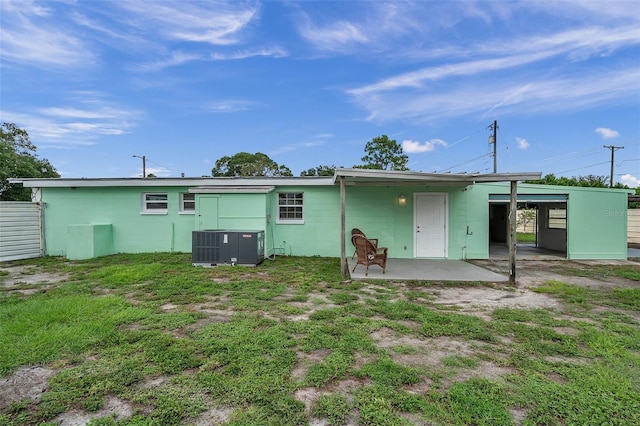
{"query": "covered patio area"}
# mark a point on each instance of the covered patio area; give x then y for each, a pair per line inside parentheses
(426, 270)
(425, 227)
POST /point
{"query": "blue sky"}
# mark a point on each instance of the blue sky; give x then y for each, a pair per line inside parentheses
(309, 83)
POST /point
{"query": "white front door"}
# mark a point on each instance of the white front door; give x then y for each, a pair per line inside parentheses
(430, 225)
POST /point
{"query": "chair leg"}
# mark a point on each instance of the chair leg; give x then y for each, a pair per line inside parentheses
(366, 270)
(354, 268)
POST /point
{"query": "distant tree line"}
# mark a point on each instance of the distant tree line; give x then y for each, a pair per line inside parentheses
(381, 153)
(18, 159)
(593, 181)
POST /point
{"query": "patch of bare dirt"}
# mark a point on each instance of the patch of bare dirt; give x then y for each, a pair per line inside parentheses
(314, 303)
(481, 301)
(26, 383)
(30, 276)
(533, 273)
(308, 396)
(486, 369)
(305, 360)
(114, 408)
(214, 416)
(428, 351)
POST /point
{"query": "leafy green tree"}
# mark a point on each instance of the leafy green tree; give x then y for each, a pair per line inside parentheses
(246, 164)
(594, 181)
(18, 159)
(526, 217)
(320, 171)
(383, 153)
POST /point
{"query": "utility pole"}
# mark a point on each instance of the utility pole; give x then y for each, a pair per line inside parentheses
(613, 149)
(494, 140)
(144, 164)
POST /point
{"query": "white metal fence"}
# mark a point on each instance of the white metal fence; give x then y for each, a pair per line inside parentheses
(20, 230)
(633, 226)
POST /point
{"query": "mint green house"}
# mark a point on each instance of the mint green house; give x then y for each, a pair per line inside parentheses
(415, 215)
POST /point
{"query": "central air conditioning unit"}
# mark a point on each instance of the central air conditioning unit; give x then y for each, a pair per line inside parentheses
(213, 247)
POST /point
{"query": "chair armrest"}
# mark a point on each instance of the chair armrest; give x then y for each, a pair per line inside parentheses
(374, 241)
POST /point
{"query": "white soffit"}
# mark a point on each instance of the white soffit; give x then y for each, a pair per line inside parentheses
(232, 189)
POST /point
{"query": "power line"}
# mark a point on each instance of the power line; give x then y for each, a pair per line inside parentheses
(466, 162)
(585, 167)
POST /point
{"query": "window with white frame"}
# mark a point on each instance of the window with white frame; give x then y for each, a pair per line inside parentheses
(187, 202)
(557, 218)
(155, 203)
(290, 207)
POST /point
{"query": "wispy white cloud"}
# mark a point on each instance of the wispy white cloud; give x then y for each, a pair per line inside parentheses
(520, 93)
(31, 35)
(296, 147)
(417, 147)
(606, 133)
(81, 124)
(337, 37)
(226, 106)
(371, 27)
(510, 55)
(174, 59)
(325, 135)
(275, 52)
(522, 143)
(213, 22)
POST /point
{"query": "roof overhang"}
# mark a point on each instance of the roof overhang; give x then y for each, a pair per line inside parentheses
(369, 177)
(360, 177)
(529, 198)
(231, 189)
(219, 182)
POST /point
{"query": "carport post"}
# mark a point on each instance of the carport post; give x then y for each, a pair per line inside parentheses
(513, 233)
(343, 250)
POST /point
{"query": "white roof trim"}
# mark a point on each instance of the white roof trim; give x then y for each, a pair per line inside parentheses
(392, 177)
(352, 177)
(182, 182)
(232, 189)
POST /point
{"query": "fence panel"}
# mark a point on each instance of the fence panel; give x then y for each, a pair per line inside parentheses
(633, 226)
(20, 230)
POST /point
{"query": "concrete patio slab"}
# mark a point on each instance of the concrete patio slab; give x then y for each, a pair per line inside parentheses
(426, 270)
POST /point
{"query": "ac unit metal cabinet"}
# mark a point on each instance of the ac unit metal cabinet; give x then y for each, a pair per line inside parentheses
(214, 247)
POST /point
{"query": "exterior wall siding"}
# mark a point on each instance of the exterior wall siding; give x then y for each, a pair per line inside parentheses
(597, 219)
(20, 230)
(597, 225)
(133, 232)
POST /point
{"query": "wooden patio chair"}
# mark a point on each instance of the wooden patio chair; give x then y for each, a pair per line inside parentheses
(369, 254)
(356, 231)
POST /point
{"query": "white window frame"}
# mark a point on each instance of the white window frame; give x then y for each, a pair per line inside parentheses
(183, 209)
(289, 205)
(557, 218)
(147, 208)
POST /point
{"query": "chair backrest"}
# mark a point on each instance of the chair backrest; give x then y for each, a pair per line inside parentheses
(355, 231)
(363, 246)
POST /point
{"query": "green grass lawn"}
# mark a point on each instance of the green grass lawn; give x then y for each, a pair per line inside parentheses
(526, 238)
(287, 343)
